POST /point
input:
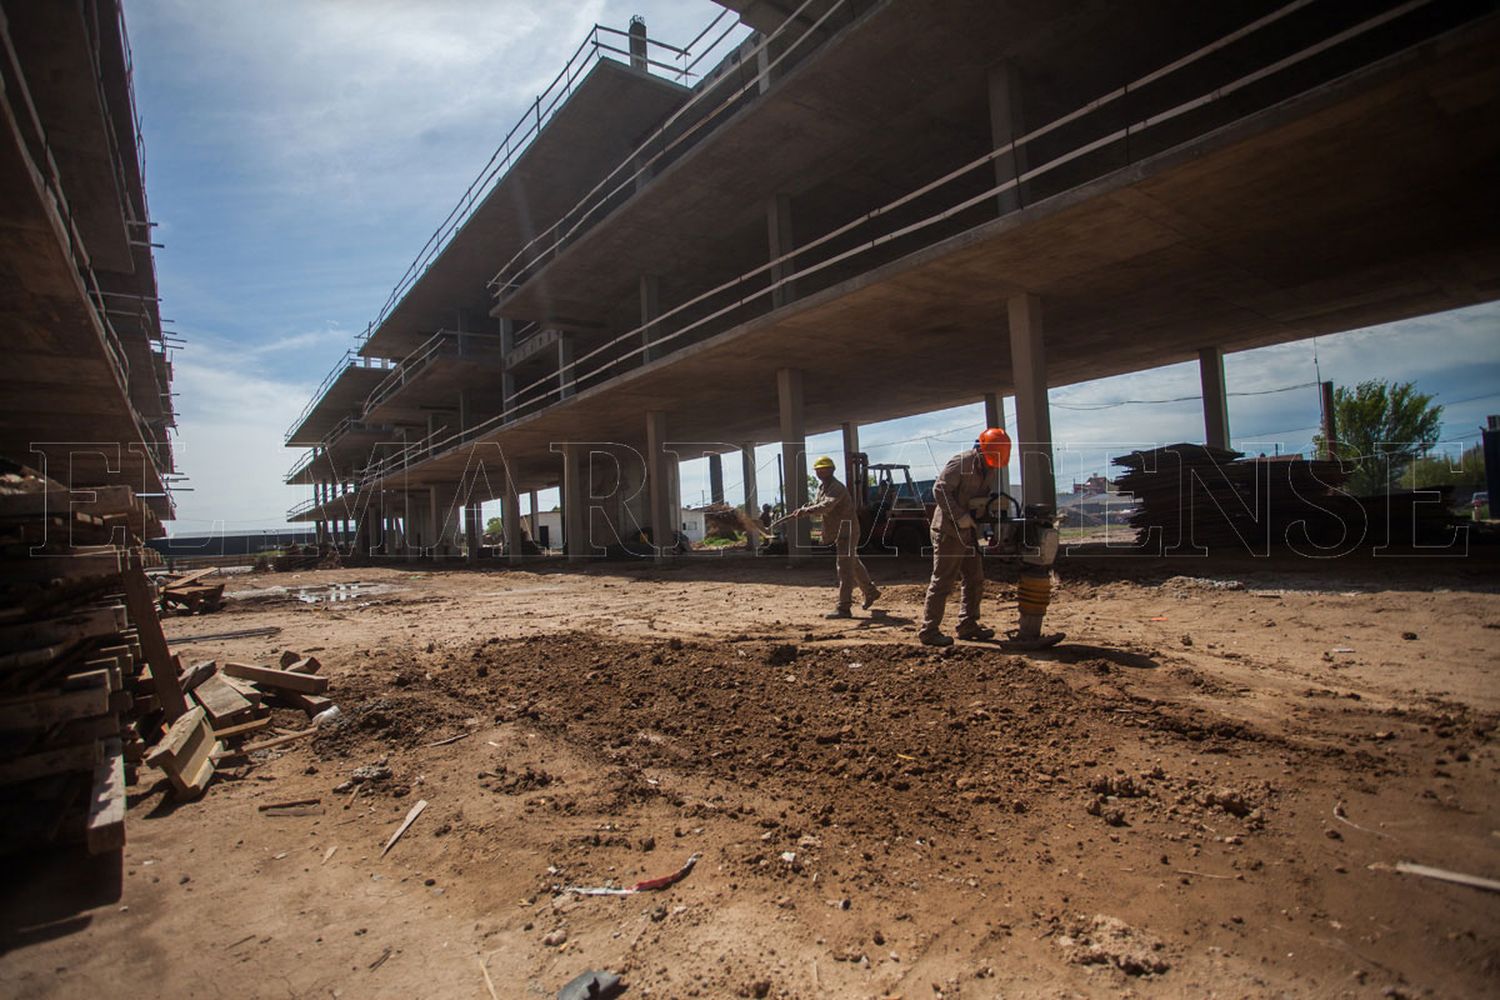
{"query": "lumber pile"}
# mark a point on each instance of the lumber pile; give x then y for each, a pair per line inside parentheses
(85, 677)
(232, 707)
(1190, 496)
(189, 594)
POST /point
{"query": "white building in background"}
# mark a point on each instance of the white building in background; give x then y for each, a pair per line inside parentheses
(547, 530)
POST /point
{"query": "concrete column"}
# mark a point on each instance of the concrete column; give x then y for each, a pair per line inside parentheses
(1007, 123)
(507, 377)
(446, 518)
(715, 478)
(851, 446)
(510, 521)
(659, 485)
(474, 530)
(565, 372)
(1215, 398)
(650, 310)
(994, 416)
(793, 453)
(535, 519)
(752, 492)
(782, 241)
(1033, 415)
(574, 506)
(321, 525)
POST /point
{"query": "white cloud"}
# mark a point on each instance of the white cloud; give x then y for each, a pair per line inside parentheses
(229, 442)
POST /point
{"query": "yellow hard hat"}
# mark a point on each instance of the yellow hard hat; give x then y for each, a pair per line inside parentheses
(824, 463)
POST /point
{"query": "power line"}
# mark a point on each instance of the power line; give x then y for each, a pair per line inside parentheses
(1089, 407)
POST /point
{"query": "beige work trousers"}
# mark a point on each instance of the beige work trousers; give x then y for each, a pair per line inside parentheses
(954, 559)
(851, 568)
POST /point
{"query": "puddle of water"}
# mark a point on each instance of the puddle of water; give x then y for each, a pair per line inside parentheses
(337, 592)
(329, 594)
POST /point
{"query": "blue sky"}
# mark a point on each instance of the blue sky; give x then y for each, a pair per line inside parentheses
(299, 154)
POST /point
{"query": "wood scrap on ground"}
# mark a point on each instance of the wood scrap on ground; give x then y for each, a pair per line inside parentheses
(186, 754)
(411, 817)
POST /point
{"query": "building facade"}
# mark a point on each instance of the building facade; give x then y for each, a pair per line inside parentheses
(834, 212)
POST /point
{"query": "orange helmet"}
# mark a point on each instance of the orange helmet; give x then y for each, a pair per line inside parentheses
(994, 444)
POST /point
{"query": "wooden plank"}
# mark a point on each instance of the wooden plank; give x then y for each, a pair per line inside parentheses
(105, 830)
(186, 754)
(82, 757)
(83, 562)
(197, 674)
(173, 745)
(304, 665)
(141, 604)
(411, 818)
(1444, 875)
(197, 574)
(24, 658)
(225, 706)
(87, 624)
(101, 500)
(38, 711)
(248, 691)
(98, 727)
(229, 732)
(275, 741)
(312, 704)
(283, 680)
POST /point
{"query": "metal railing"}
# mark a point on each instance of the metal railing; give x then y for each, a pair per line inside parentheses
(349, 359)
(968, 194)
(409, 366)
(642, 161)
(676, 63)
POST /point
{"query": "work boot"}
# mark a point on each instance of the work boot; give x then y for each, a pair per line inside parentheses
(935, 639)
(871, 597)
(839, 613)
(976, 633)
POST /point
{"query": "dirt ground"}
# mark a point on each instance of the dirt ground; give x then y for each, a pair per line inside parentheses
(1200, 793)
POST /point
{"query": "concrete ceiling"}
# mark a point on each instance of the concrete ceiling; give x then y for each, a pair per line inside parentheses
(1368, 201)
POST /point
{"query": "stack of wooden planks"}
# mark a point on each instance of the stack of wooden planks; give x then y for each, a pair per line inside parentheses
(1191, 497)
(189, 594)
(232, 704)
(89, 689)
(86, 680)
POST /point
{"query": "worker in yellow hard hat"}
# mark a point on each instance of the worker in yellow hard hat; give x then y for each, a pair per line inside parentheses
(963, 488)
(841, 528)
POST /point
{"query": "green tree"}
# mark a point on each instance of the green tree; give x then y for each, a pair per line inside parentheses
(1441, 470)
(1382, 426)
(492, 527)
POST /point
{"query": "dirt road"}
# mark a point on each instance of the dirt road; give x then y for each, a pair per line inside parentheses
(1196, 795)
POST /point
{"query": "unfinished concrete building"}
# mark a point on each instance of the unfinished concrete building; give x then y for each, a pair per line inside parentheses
(87, 398)
(868, 209)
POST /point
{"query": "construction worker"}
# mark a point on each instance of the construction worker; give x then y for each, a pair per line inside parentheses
(961, 490)
(841, 527)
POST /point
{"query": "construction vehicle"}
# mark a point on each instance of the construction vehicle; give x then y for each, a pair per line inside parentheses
(892, 512)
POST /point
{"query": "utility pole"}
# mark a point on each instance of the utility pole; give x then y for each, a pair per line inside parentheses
(1330, 424)
(1490, 448)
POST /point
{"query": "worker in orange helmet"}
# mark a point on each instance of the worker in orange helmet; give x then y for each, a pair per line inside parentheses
(961, 490)
(841, 530)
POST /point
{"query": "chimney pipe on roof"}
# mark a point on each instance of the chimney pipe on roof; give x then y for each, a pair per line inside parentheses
(638, 43)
